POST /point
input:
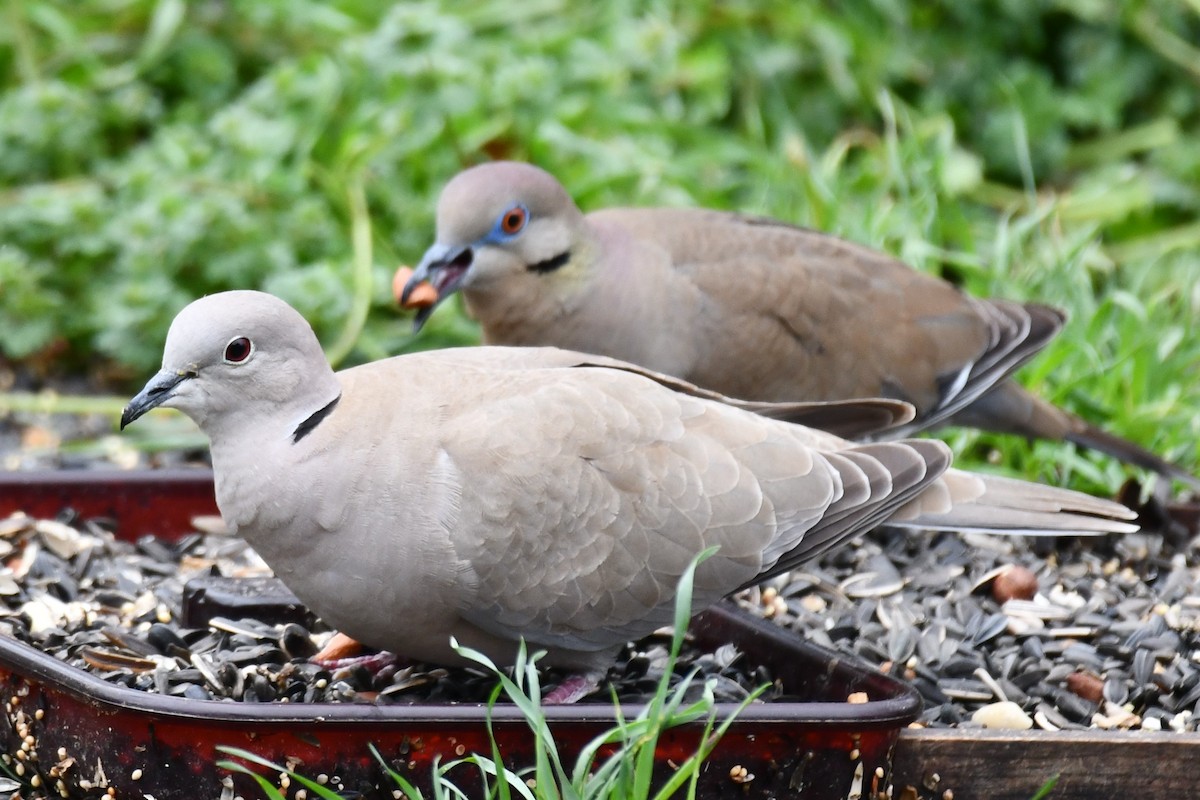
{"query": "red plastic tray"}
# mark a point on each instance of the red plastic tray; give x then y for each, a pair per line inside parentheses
(160, 746)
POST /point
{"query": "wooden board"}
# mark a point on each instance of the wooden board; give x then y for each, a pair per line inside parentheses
(1012, 765)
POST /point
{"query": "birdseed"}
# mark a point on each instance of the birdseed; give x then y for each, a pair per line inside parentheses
(1109, 639)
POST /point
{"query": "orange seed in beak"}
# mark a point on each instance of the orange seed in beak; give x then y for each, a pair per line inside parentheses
(423, 294)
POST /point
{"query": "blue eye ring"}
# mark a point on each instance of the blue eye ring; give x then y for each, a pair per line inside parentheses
(512, 221)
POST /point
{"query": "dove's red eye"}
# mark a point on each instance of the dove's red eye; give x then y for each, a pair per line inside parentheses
(238, 350)
(513, 220)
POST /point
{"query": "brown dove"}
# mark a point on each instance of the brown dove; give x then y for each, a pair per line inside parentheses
(745, 306)
(497, 493)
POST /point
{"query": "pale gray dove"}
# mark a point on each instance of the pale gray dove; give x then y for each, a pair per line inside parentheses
(494, 493)
(745, 306)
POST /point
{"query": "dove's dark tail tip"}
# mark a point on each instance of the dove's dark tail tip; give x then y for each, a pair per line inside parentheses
(1089, 436)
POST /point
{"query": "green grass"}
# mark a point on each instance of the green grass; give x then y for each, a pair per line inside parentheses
(155, 150)
(1046, 789)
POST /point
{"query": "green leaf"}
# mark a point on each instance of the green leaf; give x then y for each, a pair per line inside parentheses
(164, 25)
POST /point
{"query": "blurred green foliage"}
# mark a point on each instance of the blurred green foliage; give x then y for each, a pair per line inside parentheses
(155, 150)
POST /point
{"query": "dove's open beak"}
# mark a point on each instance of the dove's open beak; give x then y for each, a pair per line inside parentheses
(444, 268)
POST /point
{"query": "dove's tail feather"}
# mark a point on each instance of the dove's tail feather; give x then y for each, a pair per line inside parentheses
(1088, 435)
(989, 503)
(1011, 409)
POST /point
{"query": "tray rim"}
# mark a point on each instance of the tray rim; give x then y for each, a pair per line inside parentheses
(27, 662)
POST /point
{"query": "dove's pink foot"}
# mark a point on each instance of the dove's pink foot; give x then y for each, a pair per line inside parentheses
(341, 652)
(572, 689)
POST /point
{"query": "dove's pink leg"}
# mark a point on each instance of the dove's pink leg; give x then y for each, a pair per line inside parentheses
(572, 689)
(341, 651)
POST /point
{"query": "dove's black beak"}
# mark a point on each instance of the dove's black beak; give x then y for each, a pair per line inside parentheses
(159, 389)
(445, 268)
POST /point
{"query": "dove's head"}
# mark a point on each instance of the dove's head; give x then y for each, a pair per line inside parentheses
(236, 357)
(495, 222)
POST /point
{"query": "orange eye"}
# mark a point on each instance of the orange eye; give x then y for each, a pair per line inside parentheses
(513, 220)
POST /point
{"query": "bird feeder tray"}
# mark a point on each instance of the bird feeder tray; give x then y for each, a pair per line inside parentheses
(81, 735)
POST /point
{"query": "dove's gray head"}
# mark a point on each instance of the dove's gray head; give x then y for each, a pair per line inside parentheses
(238, 358)
(496, 221)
